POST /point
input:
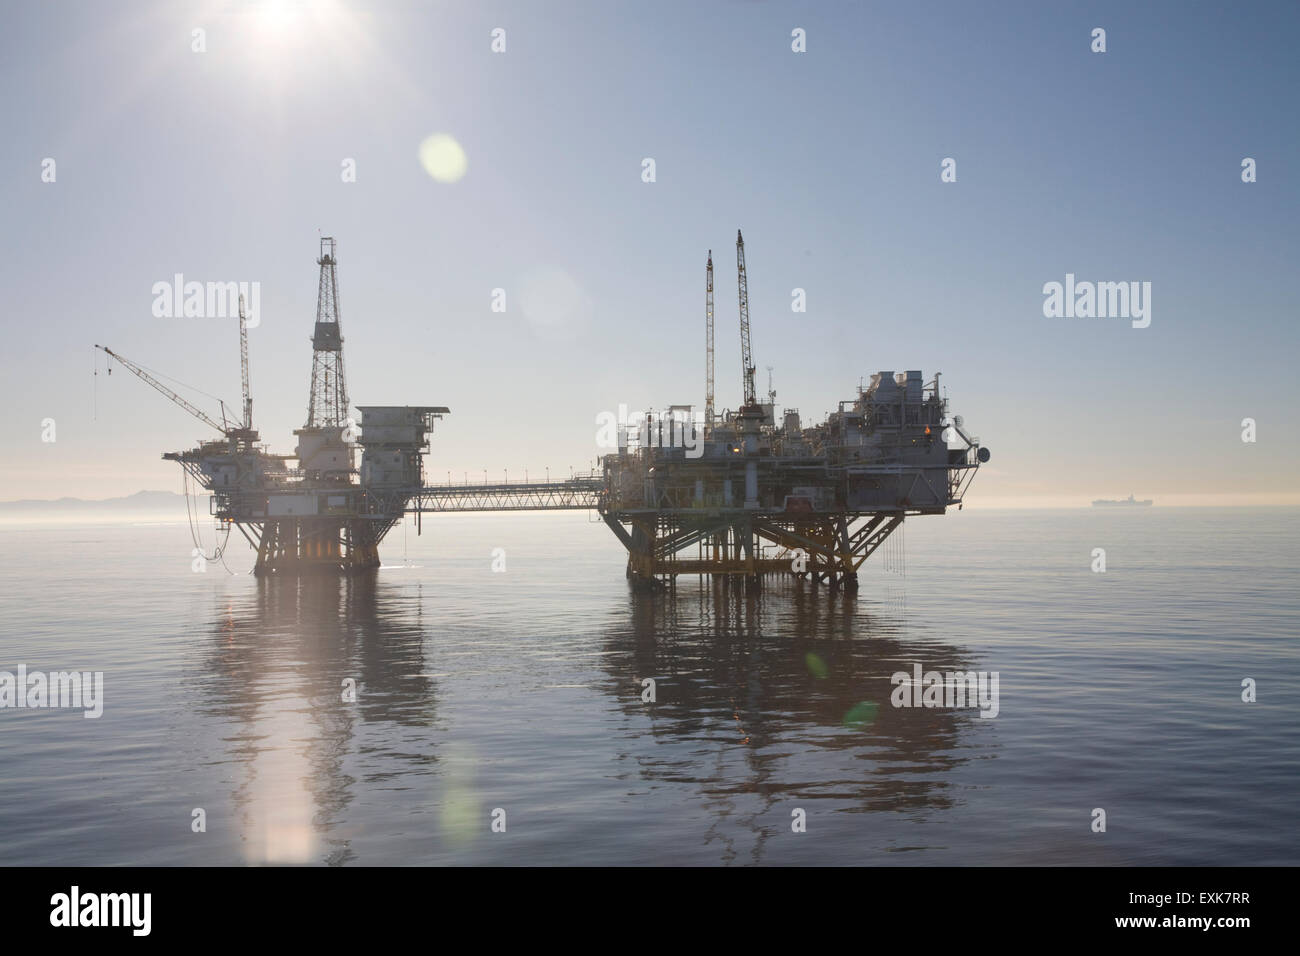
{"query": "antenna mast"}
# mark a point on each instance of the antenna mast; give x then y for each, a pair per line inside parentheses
(708, 318)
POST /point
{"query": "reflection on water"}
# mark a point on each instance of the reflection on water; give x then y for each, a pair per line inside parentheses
(522, 691)
(762, 702)
(783, 697)
(277, 668)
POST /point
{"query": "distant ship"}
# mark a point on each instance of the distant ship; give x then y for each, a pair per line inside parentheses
(1130, 500)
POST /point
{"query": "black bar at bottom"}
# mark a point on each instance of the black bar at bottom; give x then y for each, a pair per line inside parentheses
(951, 905)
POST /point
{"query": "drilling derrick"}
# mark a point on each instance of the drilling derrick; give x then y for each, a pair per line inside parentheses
(329, 385)
(324, 450)
(299, 533)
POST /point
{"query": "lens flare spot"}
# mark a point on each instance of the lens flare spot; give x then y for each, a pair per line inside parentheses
(443, 158)
(552, 299)
(816, 666)
(862, 714)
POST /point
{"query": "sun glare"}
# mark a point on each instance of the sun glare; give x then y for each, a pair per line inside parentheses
(275, 18)
(281, 21)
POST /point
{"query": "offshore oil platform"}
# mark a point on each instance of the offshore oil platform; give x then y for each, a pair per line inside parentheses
(321, 514)
(737, 496)
(755, 496)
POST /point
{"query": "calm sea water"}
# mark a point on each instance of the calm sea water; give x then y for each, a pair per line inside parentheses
(521, 690)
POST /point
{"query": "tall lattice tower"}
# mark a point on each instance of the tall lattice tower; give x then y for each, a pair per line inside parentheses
(329, 384)
(325, 449)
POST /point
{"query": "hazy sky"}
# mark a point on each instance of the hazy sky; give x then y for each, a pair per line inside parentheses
(227, 165)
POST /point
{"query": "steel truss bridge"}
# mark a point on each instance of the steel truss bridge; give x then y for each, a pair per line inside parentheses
(579, 493)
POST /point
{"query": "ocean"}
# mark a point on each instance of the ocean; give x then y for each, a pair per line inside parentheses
(500, 716)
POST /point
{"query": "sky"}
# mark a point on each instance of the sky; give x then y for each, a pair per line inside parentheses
(229, 163)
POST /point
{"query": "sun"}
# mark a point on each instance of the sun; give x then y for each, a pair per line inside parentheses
(281, 20)
(279, 14)
(275, 18)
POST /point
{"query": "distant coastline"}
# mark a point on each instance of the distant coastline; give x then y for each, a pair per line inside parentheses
(141, 500)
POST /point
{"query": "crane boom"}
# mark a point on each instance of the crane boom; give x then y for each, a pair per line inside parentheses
(708, 317)
(746, 358)
(141, 373)
(243, 365)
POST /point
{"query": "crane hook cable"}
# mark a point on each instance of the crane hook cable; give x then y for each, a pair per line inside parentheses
(157, 374)
(220, 553)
